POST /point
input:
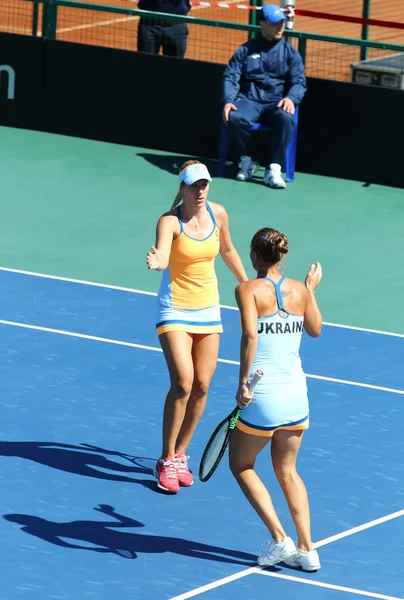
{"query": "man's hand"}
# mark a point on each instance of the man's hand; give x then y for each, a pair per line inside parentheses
(287, 105)
(226, 111)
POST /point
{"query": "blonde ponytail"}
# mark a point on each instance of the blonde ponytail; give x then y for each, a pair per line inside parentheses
(177, 199)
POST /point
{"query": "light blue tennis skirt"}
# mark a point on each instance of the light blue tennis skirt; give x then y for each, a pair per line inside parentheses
(277, 405)
(204, 320)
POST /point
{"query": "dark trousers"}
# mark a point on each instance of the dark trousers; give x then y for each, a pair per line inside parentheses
(153, 35)
(249, 112)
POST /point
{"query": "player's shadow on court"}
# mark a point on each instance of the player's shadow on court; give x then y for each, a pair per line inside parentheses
(83, 459)
(172, 163)
(101, 536)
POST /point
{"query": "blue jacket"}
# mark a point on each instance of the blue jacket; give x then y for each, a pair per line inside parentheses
(264, 71)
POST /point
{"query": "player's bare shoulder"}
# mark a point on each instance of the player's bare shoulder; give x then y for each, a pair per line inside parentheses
(217, 207)
(169, 217)
(294, 285)
(169, 220)
(294, 288)
(170, 214)
(247, 287)
(219, 211)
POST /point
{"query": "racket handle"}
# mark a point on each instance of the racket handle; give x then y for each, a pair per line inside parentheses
(255, 379)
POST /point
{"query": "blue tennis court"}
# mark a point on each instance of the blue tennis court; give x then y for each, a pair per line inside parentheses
(83, 384)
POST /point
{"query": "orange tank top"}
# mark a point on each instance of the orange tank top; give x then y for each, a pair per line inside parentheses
(190, 282)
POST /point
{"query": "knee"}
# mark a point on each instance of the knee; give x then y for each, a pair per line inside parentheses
(182, 387)
(285, 474)
(284, 118)
(237, 120)
(200, 388)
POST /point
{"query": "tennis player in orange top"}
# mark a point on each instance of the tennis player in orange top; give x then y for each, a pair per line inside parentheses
(188, 239)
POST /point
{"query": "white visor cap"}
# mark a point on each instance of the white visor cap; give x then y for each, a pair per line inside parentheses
(194, 173)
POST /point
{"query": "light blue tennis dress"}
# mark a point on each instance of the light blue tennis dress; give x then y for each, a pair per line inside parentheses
(280, 397)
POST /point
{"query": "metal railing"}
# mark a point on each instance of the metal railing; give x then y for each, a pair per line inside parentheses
(209, 39)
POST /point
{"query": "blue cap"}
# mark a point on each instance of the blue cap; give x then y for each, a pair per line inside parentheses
(271, 13)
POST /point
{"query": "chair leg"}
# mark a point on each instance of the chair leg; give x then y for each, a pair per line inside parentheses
(223, 150)
(291, 151)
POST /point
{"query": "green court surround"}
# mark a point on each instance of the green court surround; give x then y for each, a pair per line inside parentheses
(87, 210)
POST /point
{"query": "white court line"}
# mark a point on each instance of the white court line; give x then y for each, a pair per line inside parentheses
(354, 530)
(80, 281)
(330, 586)
(79, 335)
(329, 540)
(136, 291)
(122, 20)
(215, 584)
(251, 570)
(156, 349)
(99, 24)
(355, 383)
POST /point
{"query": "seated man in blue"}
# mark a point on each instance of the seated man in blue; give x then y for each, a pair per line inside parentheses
(263, 81)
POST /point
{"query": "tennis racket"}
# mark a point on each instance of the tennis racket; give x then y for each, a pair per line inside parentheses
(217, 444)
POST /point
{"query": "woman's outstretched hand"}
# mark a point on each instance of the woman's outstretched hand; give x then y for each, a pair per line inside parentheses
(153, 259)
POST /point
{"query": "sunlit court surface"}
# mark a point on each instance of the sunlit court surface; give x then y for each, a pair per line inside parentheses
(83, 382)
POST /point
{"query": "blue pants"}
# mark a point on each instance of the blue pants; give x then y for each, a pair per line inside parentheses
(171, 37)
(249, 112)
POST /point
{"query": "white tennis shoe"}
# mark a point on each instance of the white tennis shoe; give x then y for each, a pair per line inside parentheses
(273, 177)
(247, 169)
(277, 552)
(307, 561)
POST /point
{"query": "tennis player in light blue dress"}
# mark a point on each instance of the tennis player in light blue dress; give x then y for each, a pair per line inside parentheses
(274, 310)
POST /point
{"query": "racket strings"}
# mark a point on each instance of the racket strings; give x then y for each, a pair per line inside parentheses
(215, 449)
(217, 444)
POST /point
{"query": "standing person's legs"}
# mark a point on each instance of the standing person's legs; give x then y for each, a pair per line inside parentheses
(284, 451)
(243, 451)
(174, 40)
(205, 350)
(177, 348)
(148, 37)
(191, 361)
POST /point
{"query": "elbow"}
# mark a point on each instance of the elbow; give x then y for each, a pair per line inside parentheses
(226, 251)
(250, 337)
(315, 331)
